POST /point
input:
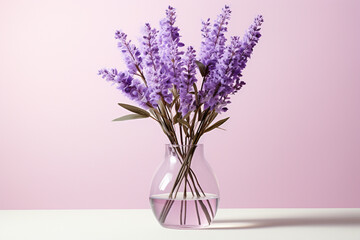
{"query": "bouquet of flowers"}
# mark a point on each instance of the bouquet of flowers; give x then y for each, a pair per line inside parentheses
(180, 90)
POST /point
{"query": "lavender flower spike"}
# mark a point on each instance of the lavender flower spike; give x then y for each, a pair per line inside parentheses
(187, 100)
(150, 48)
(131, 87)
(224, 78)
(155, 71)
(131, 53)
(169, 48)
(248, 43)
(213, 43)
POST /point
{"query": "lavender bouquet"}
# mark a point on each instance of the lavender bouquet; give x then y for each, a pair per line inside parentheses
(180, 90)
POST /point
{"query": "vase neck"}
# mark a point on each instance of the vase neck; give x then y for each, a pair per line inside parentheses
(197, 151)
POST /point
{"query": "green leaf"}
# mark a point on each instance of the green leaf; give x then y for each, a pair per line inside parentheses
(187, 115)
(184, 123)
(174, 101)
(161, 106)
(129, 117)
(134, 109)
(174, 91)
(176, 117)
(201, 67)
(215, 125)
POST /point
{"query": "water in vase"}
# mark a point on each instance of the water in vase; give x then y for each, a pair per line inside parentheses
(180, 212)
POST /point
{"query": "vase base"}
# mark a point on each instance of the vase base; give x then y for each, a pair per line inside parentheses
(184, 213)
(185, 227)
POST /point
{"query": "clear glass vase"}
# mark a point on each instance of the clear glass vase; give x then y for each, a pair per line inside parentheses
(184, 191)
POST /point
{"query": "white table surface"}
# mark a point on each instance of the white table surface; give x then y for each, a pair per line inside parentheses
(247, 224)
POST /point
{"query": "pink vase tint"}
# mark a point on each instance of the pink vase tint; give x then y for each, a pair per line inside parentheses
(184, 191)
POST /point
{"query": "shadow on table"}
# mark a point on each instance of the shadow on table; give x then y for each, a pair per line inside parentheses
(239, 223)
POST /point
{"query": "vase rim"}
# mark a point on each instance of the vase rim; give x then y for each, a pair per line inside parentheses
(184, 145)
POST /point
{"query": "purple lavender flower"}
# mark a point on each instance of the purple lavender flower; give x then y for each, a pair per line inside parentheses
(187, 100)
(132, 88)
(150, 48)
(211, 52)
(248, 43)
(131, 53)
(155, 71)
(169, 48)
(213, 43)
(224, 78)
(165, 69)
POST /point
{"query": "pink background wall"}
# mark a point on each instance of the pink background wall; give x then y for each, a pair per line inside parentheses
(293, 136)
